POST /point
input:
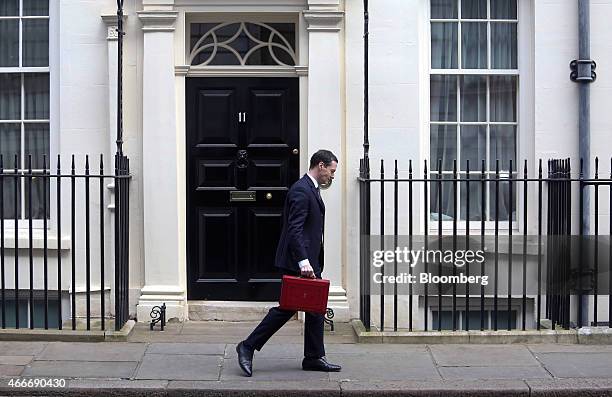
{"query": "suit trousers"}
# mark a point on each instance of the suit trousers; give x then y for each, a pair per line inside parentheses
(276, 318)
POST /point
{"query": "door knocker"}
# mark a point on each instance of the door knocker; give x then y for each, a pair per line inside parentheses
(242, 159)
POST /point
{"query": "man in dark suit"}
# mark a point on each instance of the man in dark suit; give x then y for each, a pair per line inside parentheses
(299, 252)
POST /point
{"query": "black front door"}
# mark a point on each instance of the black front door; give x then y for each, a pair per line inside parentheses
(242, 141)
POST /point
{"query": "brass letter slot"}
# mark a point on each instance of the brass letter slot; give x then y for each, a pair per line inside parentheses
(237, 195)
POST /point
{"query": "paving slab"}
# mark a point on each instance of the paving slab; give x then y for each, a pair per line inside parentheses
(265, 369)
(151, 337)
(498, 372)
(103, 351)
(271, 350)
(169, 329)
(570, 387)
(81, 369)
(21, 348)
(180, 367)
(186, 348)
(15, 360)
(437, 388)
(340, 339)
(346, 348)
(116, 384)
(89, 388)
(382, 367)
(482, 355)
(11, 370)
(573, 348)
(236, 329)
(576, 365)
(202, 361)
(285, 339)
(269, 388)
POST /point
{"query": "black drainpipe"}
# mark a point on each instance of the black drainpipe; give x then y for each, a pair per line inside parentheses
(366, 142)
(120, 34)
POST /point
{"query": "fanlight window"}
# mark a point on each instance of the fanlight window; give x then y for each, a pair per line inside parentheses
(242, 44)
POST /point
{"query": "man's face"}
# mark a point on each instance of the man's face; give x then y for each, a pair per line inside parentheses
(326, 174)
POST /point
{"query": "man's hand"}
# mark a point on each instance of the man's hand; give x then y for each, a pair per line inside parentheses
(305, 269)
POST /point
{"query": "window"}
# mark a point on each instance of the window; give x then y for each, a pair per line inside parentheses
(24, 101)
(473, 104)
(243, 44)
(23, 309)
(461, 319)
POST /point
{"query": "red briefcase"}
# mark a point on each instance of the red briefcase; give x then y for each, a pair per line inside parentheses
(304, 294)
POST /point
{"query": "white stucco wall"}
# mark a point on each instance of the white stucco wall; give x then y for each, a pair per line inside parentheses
(556, 96)
(85, 127)
(394, 102)
(601, 94)
(548, 101)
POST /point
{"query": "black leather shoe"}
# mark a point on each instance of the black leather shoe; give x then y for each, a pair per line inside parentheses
(319, 364)
(245, 358)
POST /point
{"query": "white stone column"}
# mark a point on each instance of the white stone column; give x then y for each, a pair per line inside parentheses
(162, 267)
(325, 115)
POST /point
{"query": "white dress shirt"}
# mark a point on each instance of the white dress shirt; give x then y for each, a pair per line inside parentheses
(313, 180)
(305, 262)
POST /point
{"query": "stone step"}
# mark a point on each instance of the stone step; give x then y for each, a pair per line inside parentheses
(228, 310)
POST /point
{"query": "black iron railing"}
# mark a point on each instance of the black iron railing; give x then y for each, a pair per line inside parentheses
(40, 184)
(535, 261)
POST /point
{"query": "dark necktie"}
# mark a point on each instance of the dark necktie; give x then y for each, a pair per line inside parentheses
(321, 198)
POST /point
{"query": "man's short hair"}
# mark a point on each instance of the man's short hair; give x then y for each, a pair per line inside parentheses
(322, 155)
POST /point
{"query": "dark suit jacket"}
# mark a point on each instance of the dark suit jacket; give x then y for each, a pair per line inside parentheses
(302, 232)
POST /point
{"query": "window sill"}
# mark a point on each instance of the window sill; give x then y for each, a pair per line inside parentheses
(503, 239)
(37, 240)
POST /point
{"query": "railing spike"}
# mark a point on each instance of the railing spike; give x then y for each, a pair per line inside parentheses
(540, 169)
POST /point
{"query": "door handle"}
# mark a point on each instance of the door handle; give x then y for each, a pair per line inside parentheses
(240, 117)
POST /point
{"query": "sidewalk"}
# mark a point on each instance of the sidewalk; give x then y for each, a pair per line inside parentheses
(198, 359)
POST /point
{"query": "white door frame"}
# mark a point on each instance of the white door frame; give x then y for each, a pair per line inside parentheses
(191, 13)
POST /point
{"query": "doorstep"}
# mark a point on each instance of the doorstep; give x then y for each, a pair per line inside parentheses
(228, 310)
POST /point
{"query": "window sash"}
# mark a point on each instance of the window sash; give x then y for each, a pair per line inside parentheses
(489, 316)
(459, 21)
(475, 168)
(26, 124)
